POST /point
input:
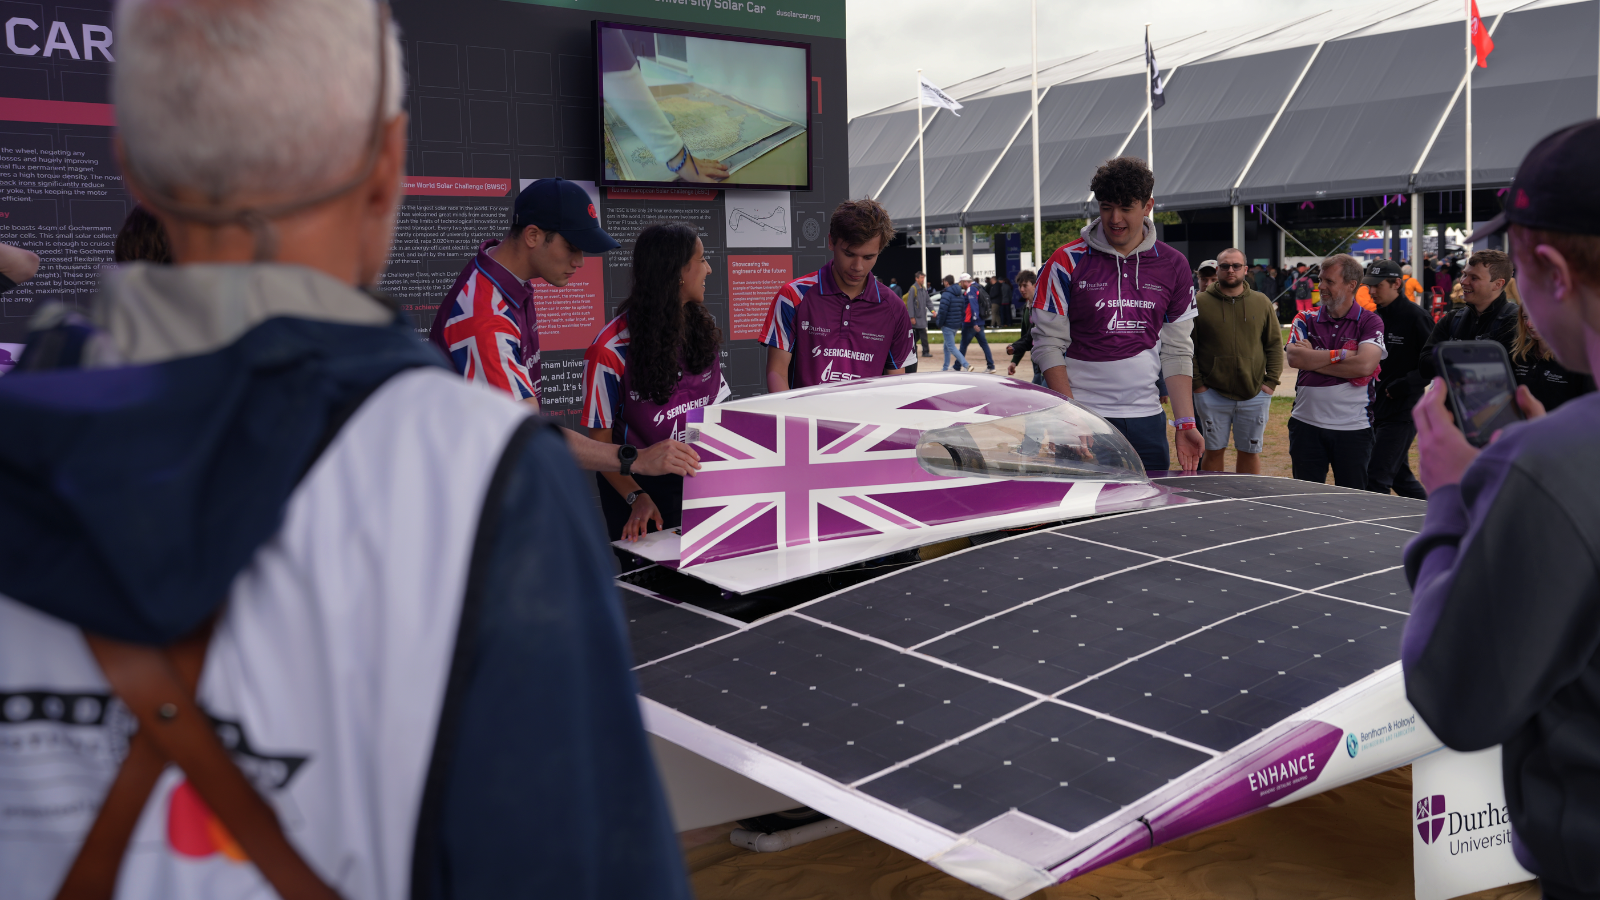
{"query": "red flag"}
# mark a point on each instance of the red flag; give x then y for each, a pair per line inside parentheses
(1481, 41)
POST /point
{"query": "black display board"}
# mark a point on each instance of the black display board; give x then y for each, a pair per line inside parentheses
(505, 91)
(499, 92)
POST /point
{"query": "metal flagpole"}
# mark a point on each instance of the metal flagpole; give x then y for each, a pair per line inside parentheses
(1149, 110)
(1038, 223)
(1469, 117)
(922, 181)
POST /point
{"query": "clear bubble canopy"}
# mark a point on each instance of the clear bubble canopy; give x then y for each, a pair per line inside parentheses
(1062, 442)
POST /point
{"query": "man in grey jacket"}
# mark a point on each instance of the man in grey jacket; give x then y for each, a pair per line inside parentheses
(919, 308)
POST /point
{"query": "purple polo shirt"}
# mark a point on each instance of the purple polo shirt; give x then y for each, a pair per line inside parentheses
(834, 338)
(1338, 404)
(488, 327)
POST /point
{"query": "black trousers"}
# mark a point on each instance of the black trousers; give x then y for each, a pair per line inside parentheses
(1313, 450)
(1390, 467)
(920, 335)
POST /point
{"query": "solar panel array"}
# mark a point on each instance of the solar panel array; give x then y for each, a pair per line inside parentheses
(1066, 672)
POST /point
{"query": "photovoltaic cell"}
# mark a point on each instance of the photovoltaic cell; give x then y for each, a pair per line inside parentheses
(1064, 673)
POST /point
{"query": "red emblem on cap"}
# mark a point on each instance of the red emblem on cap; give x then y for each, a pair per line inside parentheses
(1522, 199)
(591, 212)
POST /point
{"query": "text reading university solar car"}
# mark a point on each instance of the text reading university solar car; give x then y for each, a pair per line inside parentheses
(955, 613)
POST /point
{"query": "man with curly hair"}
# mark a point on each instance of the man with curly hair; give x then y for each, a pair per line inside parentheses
(1113, 314)
(836, 324)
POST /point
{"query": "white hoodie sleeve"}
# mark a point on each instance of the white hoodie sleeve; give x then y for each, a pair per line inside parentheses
(1051, 333)
(1177, 348)
(1051, 337)
(627, 93)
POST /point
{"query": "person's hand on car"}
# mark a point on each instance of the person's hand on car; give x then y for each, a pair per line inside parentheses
(668, 457)
(640, 515)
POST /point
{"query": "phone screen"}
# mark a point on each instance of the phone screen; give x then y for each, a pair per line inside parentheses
(1482, 388)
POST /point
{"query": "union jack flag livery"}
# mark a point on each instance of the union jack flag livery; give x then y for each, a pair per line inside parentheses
(603, 365)
(481, 333)
(1055, 280)
(779, 330)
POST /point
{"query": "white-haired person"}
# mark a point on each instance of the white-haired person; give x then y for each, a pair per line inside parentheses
(276, 585)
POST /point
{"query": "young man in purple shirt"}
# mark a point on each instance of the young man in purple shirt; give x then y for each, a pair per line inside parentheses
(840, 323)
(1501, 646)
(1337, 348)
(1113, 316)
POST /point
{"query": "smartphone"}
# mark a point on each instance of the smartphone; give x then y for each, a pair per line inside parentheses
(1483, 390)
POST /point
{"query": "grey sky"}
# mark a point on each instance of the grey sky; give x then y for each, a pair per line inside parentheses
(956, 39)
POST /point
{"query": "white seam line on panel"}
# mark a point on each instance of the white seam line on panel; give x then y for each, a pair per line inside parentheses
(1207, 627)
(1026, 118)
(1311, 590)
(1460, 85)
(1038, 698)
(1277, 584)
(1044, 596)
(920, 135)
(754, 748)
(1273, 125)
(1038, 530)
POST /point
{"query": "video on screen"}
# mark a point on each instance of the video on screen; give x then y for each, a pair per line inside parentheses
(679, 107)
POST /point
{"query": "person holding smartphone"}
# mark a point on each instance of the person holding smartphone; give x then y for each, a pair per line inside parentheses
(1490, 659)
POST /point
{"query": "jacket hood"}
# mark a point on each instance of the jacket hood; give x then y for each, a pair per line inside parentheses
(131, 497)
(1096, 238)
(1248, 290)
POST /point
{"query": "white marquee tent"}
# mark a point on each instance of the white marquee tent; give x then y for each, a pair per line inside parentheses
(1356, 101)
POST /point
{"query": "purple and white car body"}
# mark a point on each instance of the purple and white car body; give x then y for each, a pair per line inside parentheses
(823, 480)
(809, 480)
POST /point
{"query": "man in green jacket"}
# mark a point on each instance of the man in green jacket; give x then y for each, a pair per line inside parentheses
(1238, 356)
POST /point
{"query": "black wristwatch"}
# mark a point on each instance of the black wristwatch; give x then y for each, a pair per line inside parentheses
(632, 496)
(626, 454)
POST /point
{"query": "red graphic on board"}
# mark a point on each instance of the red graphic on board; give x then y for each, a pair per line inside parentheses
(650, 193)
(436, 186)
(59, 112)
(752, 283)
(570, 316)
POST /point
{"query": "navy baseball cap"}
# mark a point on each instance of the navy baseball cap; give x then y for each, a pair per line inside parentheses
(555, 204)
(1381, 270)
(1556, 188)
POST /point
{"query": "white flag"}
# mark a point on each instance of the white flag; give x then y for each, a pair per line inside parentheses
(932, 96)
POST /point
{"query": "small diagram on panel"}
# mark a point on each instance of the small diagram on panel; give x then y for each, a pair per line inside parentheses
(740, 218)
(811, 229)
(758, 218)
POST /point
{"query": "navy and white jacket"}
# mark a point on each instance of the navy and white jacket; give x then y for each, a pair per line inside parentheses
(418, 655)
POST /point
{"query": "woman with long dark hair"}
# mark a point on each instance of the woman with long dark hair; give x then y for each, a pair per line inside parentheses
(647, 369)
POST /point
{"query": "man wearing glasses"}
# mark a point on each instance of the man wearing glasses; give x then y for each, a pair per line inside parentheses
(1238, 356)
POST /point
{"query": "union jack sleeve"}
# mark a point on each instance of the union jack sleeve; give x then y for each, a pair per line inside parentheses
(1055, 279)
(484, 342)
(603, 365)
(779, 329)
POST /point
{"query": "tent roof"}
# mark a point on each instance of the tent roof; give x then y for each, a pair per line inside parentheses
(1346, 102)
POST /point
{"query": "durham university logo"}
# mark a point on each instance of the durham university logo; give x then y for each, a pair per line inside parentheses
(1430, 817)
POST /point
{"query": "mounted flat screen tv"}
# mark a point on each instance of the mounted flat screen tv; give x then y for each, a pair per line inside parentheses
(684, 107)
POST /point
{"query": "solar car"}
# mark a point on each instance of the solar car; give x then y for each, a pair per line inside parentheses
(955, 612)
